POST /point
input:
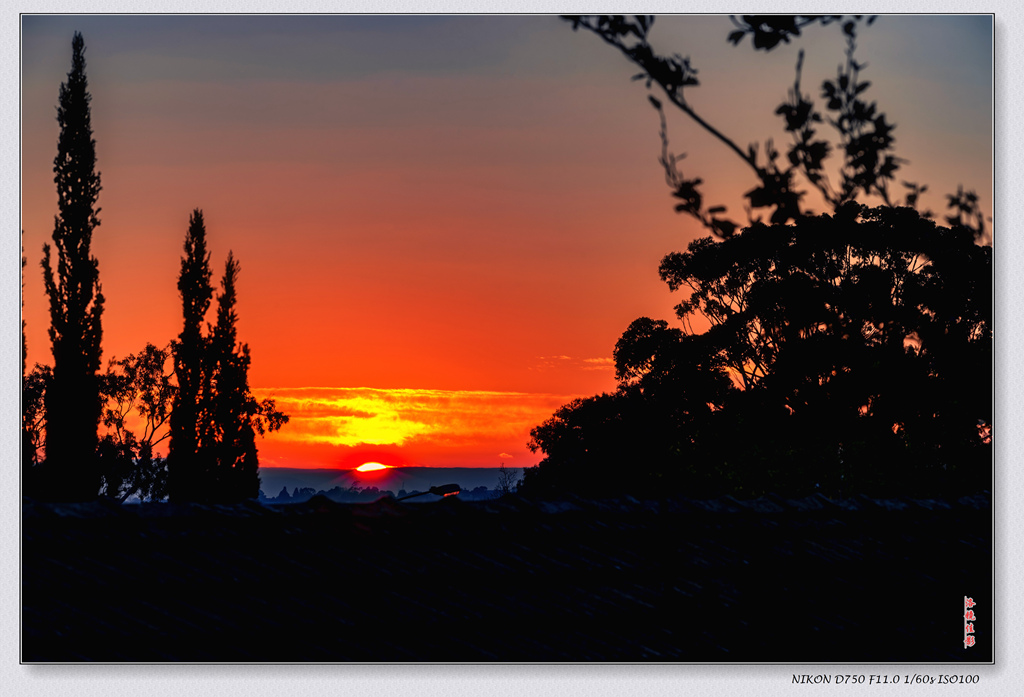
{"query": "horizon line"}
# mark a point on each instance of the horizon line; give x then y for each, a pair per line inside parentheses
(397, 467)
(419, 389)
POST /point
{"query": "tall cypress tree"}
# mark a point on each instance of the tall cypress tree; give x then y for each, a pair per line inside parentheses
(190, 424)
(234, 408)
(214, 419)
(73, 404)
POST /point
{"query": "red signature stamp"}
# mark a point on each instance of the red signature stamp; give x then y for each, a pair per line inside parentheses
(969, 619)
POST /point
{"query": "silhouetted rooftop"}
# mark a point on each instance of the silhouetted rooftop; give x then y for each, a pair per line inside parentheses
(771, 580)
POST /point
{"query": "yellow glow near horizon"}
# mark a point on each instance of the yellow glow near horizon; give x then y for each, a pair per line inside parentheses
(368, 416)
(370, 466)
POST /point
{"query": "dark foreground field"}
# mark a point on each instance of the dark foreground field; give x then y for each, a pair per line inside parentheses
(453, 581)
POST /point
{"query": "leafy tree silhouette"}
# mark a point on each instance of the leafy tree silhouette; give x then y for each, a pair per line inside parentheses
(507, 479)
(72, 398)
(31, 401)
(136, 386)
(34, 428)
(671, 393)
(854, 339)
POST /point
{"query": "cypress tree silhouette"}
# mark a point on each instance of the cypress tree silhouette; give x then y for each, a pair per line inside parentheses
(212, 454)
(190, 425)
(76, 302)
(233, 406)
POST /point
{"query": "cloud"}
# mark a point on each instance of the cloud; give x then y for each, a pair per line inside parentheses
(562, 362)
(370, 416)
(505, 456)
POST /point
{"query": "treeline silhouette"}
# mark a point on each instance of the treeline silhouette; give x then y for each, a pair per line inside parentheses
(201, 405)
(841, 352)
(369, 494)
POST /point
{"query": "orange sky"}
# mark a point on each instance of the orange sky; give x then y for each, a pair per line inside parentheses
(444, 224)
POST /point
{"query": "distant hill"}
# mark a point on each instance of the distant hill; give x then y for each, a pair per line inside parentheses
(273, 479)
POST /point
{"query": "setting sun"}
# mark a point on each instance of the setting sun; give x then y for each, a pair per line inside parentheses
(371, 466)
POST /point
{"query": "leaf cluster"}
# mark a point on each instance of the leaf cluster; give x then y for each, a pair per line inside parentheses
(863, 138)
(768, 31)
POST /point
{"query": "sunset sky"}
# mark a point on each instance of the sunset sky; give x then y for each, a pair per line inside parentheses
(444, 223)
